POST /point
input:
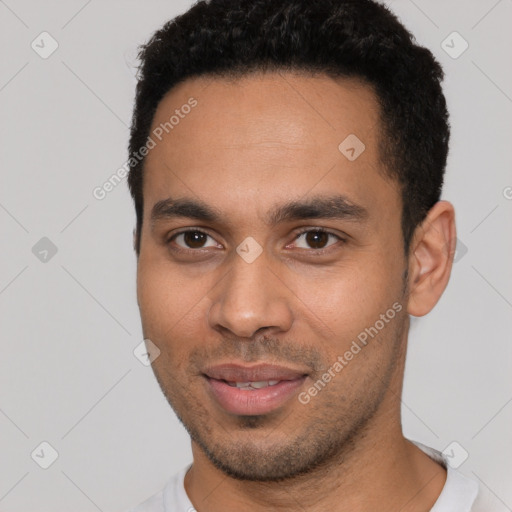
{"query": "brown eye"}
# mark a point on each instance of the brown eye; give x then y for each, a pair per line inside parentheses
(192, 239)
(317, 239)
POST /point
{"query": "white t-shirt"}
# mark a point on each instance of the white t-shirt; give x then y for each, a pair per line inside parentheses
(459, 494)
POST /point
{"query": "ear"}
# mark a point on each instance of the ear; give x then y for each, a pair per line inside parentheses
(431, 258)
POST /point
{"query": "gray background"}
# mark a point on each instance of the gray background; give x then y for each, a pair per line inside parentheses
(70, 323)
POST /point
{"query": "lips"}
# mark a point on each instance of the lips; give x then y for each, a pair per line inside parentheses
(259, 373)
(259, 389)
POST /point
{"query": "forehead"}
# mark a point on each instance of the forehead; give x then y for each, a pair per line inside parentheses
(263, 136)
(260, 109)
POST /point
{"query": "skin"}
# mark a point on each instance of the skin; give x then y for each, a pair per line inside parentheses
(251, 144)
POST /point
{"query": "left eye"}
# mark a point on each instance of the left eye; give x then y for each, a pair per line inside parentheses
(317, 238)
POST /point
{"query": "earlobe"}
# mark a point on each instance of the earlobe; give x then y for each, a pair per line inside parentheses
(431, 258)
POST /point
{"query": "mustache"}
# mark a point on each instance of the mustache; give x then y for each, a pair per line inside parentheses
(263, 349)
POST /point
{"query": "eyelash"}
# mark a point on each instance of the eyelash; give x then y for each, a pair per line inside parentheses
(297, 235)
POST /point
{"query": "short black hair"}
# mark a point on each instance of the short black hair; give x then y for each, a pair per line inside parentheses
(359, 39)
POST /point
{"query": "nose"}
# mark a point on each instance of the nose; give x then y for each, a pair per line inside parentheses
(249, 298)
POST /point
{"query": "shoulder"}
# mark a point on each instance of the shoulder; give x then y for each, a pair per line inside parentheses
(487, 501)
(171, 498)
(461, 493)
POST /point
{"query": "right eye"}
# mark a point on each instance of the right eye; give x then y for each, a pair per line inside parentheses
(192, 239)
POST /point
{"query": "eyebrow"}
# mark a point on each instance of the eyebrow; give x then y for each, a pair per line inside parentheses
(318, 207)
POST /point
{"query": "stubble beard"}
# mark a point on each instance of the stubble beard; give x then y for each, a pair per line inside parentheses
(328, 437)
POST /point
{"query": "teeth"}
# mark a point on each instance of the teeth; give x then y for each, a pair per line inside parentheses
(260, 384)
(253, 385)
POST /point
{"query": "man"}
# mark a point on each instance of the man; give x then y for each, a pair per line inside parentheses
(288, 159)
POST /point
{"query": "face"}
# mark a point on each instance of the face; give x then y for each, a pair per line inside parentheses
(270, 255)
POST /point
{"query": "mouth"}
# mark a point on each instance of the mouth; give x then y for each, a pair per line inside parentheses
(256, 390)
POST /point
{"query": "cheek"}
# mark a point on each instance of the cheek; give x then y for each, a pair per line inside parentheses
(350, 298)
(172, 305)
(161, 296)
